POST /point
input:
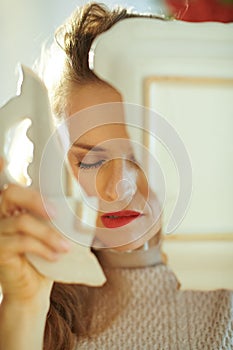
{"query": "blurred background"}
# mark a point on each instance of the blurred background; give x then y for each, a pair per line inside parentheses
(26, 24)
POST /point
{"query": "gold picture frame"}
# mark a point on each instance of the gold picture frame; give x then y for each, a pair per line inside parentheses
(182, 237)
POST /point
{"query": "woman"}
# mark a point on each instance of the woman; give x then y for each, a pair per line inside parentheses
(137, 308)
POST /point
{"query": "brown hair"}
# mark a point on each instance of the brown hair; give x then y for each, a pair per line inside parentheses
(72, 306)
(73, 43)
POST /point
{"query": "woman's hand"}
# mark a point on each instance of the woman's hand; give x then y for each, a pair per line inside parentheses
(24, 228)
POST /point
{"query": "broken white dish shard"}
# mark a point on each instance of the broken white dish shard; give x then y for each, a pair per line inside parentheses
(79, 265)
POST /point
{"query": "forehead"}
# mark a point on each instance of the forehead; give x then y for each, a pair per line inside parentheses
(104, 133)
(95, 114)
(89, 95)
(112, 140)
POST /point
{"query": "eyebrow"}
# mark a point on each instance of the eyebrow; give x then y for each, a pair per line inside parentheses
(89, 147)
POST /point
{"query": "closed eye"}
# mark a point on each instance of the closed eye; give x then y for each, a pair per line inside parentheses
(87, 166)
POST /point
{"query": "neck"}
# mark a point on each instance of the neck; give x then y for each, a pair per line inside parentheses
(147, 255)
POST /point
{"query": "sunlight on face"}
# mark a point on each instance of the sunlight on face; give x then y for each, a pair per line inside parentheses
(103, 161)
(107, 168)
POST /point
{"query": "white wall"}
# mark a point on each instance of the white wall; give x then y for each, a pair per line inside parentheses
(26, 24)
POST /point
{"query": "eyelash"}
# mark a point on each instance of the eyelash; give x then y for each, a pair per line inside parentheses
(86, 166)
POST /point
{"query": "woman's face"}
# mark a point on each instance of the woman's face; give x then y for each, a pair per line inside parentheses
(103, 161)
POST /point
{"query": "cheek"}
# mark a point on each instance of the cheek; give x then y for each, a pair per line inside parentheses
(87, 180)
(142, 184)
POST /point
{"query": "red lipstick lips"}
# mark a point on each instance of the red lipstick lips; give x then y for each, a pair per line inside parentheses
(119, 218)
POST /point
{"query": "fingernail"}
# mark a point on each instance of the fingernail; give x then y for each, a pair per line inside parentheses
(64, 244)
(50, 209)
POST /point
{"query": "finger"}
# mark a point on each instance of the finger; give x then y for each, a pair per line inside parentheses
(1, 163)
(24, 244)
(15, 197)
(40, 230)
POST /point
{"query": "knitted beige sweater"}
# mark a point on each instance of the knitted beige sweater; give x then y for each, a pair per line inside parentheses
(156, 315)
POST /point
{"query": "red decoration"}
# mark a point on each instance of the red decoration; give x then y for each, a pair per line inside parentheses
(201, 10)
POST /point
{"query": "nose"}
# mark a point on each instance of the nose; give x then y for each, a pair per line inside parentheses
(119, 180)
